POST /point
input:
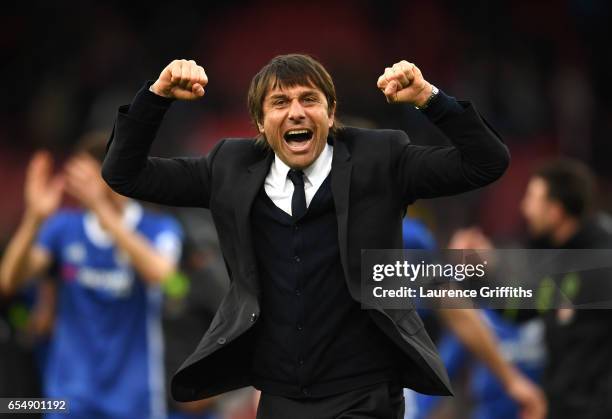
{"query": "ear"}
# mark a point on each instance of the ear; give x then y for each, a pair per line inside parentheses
(260, 127)
(332, 115)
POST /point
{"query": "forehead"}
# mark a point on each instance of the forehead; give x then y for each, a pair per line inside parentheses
(278, 88)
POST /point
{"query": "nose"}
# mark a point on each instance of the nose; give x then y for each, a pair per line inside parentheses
(296, 111)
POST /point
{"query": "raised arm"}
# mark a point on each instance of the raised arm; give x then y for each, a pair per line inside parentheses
(22, 259)
(127, 167)
(476, 157)
(84, 184)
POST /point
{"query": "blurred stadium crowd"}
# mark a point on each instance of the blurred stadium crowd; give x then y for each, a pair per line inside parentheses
(538, 71)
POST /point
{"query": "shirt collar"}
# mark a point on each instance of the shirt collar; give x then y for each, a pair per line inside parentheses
(320, 168)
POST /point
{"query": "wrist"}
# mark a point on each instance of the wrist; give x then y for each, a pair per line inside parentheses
(105, 212)
(509, 378)
(155, 88)
(33, 217)
(425, 97)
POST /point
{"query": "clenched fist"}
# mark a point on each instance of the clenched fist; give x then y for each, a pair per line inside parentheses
(404, 83)
(181, 79)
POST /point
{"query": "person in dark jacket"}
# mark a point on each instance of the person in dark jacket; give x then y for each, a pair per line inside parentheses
(559, 209)
(294, 207)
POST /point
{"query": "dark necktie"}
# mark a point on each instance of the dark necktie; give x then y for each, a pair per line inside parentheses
(298, 200)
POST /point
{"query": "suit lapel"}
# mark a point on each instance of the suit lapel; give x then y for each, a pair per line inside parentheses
(340, 184)
(248, 186)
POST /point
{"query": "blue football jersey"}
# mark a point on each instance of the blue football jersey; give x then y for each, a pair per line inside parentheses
(105, 356)
(520, 344)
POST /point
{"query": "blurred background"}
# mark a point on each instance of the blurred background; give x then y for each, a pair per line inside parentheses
(537, 71)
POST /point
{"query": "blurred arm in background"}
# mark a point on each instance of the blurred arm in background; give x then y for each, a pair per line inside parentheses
(23, 259)
(474, 334)
(42, 193)
(84, 182)
(470, 328)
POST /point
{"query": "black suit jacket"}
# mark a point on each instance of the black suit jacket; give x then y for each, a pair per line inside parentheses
(374, 175)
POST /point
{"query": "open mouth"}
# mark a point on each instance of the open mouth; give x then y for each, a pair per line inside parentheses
(298, 138)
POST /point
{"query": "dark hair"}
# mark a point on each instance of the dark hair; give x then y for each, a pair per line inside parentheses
(571, 183)
(94, 144)
(288, 71)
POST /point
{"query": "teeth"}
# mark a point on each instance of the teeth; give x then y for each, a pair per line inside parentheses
(297, 131)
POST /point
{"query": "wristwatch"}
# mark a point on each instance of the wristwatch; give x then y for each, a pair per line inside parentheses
(434, 92)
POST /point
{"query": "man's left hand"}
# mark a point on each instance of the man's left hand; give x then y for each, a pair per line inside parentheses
(404, 83)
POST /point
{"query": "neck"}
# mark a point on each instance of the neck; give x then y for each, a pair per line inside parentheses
(564, 232)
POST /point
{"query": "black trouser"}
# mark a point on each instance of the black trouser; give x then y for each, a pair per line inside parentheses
(378, 401)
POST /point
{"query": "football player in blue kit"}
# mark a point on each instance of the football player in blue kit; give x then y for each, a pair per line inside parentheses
(109, 258)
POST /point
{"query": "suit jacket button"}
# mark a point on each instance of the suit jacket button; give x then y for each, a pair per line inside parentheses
(253, 317)
(221, 341)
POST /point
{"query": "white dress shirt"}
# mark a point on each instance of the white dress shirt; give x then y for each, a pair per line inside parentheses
(280, 188)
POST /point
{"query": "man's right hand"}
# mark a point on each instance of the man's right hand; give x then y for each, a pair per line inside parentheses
(181, 79)
(43, 193)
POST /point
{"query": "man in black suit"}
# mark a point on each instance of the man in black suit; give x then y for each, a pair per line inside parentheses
(293, 209)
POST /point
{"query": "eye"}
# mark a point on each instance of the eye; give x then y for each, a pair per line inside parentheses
(279, 102)
(310, 99)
